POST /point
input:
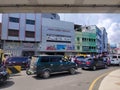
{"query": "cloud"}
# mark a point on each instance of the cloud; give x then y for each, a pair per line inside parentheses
(112, 24)
(114, 33)
(110, 21)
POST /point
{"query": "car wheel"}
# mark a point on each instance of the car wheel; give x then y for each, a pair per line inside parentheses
(46, 74)
(28, 72)
(94, 68)
(83, 68)
(119, 64)
(72, 71)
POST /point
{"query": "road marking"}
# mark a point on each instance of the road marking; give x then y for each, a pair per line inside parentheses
(93, 83)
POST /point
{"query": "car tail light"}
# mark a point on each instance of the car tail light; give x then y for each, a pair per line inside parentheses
(88, 63)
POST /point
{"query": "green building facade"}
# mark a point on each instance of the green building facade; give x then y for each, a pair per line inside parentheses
(88, 42)
(85, 40)
(78, 41)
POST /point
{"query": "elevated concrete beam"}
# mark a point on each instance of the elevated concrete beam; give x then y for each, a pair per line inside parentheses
(61, 8)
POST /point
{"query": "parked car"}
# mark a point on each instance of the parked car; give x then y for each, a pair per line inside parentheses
(115, 60)
(46, 65)
(3, 74)
(78, 60)
(20, 61)
(93, 63)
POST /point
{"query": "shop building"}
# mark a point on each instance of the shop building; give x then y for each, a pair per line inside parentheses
(58, 37)
(31, 34)
(78, 38)
(88, 40)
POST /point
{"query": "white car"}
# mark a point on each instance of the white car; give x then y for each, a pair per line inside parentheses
(115, 60)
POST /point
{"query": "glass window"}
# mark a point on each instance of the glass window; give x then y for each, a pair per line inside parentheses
(114, 56)
(55, 59)
(30, 34)
(44, 59)
(13, 19)
(78, 47)
(89, 59)
(12, 32)
(78, 39)
(118, 56)
(32, 22)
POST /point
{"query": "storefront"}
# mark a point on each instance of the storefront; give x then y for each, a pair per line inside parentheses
(20, 48)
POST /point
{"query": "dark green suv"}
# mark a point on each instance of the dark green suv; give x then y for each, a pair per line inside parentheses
(49, 64)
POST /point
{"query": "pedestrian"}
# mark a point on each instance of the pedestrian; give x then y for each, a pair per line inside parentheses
(73, 59)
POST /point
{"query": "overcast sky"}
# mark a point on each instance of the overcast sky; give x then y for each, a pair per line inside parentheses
(110, 21)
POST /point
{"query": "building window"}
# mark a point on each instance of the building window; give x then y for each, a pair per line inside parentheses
(78, 39)
(30, 34)
(32, 22)
(14, 19)
(78, 47)
(13, 32)
(54, 15)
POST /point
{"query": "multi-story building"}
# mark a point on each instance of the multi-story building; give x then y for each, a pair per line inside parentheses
(51, 16)
(118, 48)
(21, 33)
(104, 40)
(88, 40)
(98, 38)
(78, 38)
(57, 37)
(29, 34)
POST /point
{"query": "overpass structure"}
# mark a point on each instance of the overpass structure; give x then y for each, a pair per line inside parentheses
(60, 6)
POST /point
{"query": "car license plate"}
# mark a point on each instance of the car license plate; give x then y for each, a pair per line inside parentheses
(85, 67)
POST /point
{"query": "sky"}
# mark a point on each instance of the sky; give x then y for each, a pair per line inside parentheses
(110, 21)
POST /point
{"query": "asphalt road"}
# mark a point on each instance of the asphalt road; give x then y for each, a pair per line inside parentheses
(80, 81)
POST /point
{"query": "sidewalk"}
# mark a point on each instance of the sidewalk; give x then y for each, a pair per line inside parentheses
(111, 81)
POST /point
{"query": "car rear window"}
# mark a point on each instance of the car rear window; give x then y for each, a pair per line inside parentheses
(80, 57)
(114, 57)
(118, 56)
(17, 59)
(89, 59)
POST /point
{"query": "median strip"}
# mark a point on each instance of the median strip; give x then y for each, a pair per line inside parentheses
(94, 82)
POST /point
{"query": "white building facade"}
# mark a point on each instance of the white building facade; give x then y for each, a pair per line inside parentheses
(57, 37)
(30, 34)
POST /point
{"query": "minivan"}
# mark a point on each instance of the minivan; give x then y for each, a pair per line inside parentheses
(115, 60)
(45, 65)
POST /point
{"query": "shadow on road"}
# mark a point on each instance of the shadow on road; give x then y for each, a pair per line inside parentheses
(60, 75)
(6, 84)
(98, 69)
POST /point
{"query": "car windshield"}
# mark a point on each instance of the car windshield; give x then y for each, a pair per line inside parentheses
(87, 59)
